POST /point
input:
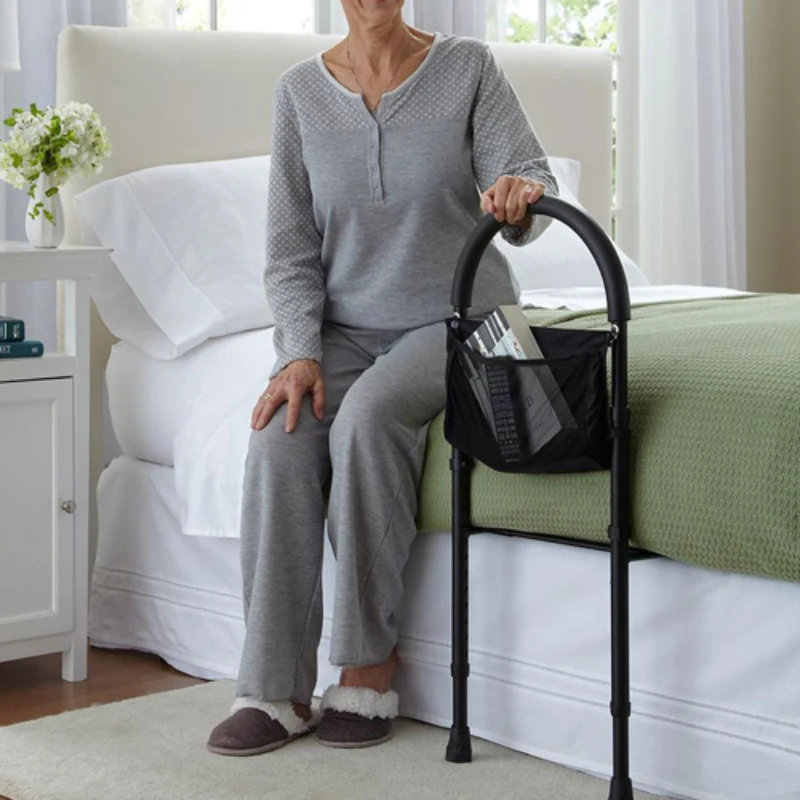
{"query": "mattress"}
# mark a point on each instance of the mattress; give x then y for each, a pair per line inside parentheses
(193, 413)
(716, 701)
(150, 400)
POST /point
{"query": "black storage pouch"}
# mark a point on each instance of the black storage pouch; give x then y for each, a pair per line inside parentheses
(532, 415)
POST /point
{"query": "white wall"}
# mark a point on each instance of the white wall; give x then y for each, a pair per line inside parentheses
(791, 77)
(772, 86)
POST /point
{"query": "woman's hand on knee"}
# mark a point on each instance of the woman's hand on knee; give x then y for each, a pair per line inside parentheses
(290, 385)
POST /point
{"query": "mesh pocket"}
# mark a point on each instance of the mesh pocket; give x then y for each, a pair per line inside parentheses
(538, 415)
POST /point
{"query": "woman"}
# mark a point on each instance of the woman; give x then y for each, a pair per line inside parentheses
(377, 147)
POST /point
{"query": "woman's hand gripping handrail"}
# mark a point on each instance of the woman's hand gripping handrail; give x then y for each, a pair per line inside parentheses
(594, 237)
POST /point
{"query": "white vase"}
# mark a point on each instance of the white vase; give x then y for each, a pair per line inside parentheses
(41, 231)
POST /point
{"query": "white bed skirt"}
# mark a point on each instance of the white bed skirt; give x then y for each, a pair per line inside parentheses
(715, 658)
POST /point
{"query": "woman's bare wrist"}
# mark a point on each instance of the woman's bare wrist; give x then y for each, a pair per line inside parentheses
(300, 361)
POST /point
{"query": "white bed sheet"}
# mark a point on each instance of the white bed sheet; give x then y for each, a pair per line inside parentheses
(714, 659)
(150, 400)
(589, 298)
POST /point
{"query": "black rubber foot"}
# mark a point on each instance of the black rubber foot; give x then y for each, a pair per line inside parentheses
(621, 789)
(459, 748)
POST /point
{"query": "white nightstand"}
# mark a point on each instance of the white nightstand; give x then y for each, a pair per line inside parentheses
(44, 469)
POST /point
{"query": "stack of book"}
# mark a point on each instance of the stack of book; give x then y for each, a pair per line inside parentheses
(504, 334)
(13, 343)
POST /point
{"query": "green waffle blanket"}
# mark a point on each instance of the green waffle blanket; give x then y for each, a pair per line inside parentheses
(715, 442)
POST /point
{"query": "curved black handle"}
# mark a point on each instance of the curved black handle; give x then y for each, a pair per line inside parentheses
(593, 236)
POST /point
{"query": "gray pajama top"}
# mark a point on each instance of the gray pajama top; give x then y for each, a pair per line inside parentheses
(367, 214)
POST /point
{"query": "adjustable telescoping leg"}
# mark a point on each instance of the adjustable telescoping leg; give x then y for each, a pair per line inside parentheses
(459, 748)
(619, 532)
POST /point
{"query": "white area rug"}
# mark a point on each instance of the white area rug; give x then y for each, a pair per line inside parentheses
(154, 747)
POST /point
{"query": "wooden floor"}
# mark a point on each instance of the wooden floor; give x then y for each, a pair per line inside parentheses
(33, 688)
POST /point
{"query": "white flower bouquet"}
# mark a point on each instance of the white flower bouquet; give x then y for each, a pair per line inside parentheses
(51, 145)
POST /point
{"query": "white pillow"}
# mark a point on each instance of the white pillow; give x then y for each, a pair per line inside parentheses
(559, 258)
(189, 245)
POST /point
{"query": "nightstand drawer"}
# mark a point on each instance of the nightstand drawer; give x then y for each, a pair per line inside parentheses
(37, 523)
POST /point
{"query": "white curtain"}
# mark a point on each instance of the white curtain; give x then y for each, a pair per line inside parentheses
(461, 17)
(691, 170)
(40, 22)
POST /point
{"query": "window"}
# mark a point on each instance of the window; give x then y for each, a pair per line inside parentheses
(584, 23)
(283, 17)
(183, 15)
(224, 15)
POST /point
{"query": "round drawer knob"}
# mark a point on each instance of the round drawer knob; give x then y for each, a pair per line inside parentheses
(68, 506)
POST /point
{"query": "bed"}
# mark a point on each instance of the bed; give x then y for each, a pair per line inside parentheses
(716, 701)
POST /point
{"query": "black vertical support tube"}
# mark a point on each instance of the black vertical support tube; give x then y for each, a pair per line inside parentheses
(459, 748)
(619, 531)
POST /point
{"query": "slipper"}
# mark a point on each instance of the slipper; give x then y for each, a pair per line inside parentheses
(355, 716)
(254, 727)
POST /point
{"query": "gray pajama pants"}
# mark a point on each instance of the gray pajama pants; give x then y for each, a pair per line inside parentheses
(383, 388)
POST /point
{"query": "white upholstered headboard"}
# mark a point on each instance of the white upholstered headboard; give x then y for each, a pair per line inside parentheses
(171, 97)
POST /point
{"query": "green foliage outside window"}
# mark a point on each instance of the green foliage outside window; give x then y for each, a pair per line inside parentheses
(582, 23)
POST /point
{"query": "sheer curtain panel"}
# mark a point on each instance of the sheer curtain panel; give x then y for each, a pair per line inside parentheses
(691, 161)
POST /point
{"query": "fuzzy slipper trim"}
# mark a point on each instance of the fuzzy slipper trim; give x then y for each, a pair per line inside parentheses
(362, 701)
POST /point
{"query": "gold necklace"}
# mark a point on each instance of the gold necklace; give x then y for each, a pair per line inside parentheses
(352, 69)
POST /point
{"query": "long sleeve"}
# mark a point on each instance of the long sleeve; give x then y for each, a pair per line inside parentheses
(505, 144)
(293, 277)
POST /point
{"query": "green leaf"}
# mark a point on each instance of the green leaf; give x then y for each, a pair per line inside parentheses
(10, 122)
(15, 111)
(51, 191)
(34, 110)
(49, 217)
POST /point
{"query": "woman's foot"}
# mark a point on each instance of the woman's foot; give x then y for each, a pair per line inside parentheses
(302, 711)
(372, 676)
(254, 727)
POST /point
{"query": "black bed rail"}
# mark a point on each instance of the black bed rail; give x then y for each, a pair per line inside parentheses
(459, 748)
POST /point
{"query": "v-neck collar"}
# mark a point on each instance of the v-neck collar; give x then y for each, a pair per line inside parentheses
(390, 95)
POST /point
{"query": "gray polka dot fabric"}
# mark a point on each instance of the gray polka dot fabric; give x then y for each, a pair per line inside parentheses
(368, 212)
